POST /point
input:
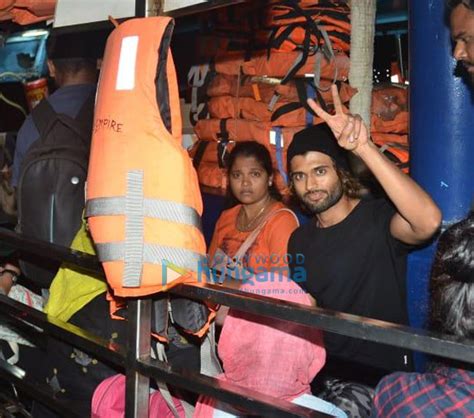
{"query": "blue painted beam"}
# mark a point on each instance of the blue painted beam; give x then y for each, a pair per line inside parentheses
(441, 135)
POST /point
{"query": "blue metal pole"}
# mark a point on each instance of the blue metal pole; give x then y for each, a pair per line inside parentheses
(441, 136)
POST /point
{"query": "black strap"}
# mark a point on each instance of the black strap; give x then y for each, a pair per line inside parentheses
(222, 153)
(223, 134)
(286, 108)
(200, 114)
(44, 117)
(342, 14)
(201, 148)
(402, 166)
(223, 137)
(202, 97)
(86, 113)
(303, 96)
(300, 61)
(276, 41)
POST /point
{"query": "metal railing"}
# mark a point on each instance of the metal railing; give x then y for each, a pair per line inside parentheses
(139, 367)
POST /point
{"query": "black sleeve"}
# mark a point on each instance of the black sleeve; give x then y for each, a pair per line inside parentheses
(294, 247)
(291, 251)
(383, 213)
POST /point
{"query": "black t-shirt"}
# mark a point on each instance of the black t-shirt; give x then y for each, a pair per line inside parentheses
(357, 267)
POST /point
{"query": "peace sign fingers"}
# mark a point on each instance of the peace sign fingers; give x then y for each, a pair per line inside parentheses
(325, 116)
(336, 100)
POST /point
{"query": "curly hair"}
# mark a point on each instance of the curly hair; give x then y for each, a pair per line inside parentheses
(351, 186)
(452, 281)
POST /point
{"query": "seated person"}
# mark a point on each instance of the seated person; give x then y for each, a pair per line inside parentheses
(270, 356)
(448, 388)
(257, 210)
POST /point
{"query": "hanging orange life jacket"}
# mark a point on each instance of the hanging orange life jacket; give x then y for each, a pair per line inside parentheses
(143, 198)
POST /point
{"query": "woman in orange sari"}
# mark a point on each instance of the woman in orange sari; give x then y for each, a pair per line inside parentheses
(254, 233)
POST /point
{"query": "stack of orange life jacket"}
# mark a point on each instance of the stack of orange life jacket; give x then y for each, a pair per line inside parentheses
(389, 120)
(26, 12)
(281, 53)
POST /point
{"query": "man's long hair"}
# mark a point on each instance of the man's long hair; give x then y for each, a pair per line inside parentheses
(351, 186)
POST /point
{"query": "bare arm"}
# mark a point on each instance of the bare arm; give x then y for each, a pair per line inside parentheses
(417, 217)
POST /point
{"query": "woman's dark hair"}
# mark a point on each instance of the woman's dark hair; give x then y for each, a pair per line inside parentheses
(452, 281)
(261, 154)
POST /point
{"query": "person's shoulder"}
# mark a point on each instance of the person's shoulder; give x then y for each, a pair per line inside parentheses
(376, 209)
(304, 230)
(231, 211)
(376, 203)
(283, 213)
(71, 96)
(228, 214)
(390, 387)
(399, 382)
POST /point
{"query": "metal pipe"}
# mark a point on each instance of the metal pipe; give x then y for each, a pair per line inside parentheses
(398, 40)
(139, 334)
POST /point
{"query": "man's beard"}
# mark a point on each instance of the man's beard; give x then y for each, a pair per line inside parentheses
(332, 197)
(462, 71)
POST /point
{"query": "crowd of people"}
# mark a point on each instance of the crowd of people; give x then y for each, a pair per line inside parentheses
(350, 255)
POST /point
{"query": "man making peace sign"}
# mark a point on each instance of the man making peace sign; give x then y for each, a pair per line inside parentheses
(355, 248)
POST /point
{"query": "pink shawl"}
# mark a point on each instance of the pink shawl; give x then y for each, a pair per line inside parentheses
(266, 355)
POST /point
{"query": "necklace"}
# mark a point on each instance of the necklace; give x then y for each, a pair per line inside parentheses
(250, 223)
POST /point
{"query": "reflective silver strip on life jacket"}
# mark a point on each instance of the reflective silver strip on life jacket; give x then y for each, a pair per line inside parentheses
(134, 230)
(153, 254)
(165, 210)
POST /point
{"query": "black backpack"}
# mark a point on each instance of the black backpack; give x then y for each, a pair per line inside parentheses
(51, 191)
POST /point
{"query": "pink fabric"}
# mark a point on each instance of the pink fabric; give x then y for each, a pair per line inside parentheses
(108, 401)
(274, 357)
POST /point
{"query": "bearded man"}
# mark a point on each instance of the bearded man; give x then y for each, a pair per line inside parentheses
(355, 248)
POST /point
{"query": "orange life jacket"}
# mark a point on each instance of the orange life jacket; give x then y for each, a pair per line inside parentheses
(145, 222)
(388, 101)
(25, 12)
(281, 112)
(399, 125)
(225, 131)
(209, 159)
(245, 130)
(395, 147)
(225, 107)
(296, 26)
(278, 64)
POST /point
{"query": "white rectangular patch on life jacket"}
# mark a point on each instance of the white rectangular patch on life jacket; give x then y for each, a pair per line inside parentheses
(127, 63)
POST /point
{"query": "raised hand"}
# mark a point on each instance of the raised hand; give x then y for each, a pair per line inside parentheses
(349, 130)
